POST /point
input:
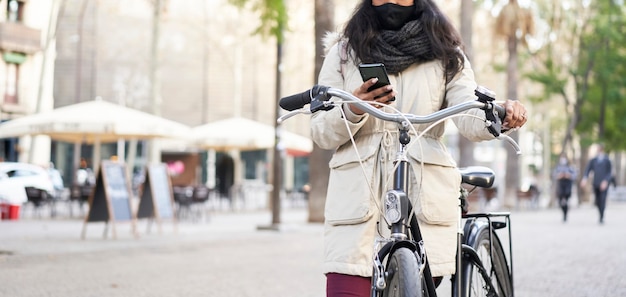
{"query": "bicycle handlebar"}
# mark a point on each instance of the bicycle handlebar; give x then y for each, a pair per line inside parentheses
(318, 97)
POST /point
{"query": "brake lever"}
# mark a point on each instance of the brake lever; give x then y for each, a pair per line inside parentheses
(494, 122)
(321, 102)
(511, 141)
(292, 113)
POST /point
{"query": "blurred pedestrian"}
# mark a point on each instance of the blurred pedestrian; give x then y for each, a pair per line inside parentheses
(84, 183)
(57, 183)
(57, 180)
(85, 175)
(600, 165)
(564, 175)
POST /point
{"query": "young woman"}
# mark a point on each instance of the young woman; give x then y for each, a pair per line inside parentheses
(428, 71)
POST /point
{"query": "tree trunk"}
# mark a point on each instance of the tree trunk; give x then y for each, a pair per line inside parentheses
(466, 147)
(277, 164)
(602, 117)
(319, 158)
(512, 160)
(467, 21)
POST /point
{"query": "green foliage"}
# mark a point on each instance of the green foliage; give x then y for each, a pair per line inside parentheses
(604, 106)
(499, 67)
(592, 39)
(552, 77)
(553, 82)
(272, 13)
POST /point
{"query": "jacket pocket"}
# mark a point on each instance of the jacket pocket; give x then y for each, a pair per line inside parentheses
(348, 201)
(438, 200)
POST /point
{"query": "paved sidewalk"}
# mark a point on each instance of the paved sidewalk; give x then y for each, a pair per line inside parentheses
(224, 256)
(29, 235)
(227, 255)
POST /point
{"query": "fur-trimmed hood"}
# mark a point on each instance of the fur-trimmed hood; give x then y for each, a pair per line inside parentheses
(330, 39)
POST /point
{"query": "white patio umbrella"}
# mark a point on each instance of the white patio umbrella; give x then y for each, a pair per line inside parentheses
(94, 121)
(245, 134)
(238, 133)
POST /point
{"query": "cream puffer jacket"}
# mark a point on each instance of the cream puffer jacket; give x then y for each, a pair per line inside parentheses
(353, 198)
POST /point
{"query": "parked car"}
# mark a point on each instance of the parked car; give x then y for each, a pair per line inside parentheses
(15, 177)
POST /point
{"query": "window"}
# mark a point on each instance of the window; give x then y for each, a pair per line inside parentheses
(15, 10)
(10, 95)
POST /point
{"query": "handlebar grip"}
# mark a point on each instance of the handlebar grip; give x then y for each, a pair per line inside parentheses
(296, 101)
(316, 96)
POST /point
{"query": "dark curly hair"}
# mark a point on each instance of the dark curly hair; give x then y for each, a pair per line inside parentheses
(363, 28)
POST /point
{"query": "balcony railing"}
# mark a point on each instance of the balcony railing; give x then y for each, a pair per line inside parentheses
(17, 37)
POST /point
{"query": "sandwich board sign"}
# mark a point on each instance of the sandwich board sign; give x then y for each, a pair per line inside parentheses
(156, 200)
(110, 200)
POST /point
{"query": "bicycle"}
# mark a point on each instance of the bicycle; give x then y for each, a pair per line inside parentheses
(400, 265)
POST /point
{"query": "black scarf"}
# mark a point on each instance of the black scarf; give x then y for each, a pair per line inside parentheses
(400, 49)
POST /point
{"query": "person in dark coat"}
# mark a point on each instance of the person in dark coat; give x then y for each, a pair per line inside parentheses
(602, 174)
(564, 175)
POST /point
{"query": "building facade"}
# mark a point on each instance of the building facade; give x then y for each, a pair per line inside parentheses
(26, 70)
(204, 59)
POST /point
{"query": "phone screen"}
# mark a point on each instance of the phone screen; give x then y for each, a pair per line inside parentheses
(369, 71)
(378, 70)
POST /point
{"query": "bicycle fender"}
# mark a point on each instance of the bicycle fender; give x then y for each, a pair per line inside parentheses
(472, 230)
(404, 244)
(390, 247)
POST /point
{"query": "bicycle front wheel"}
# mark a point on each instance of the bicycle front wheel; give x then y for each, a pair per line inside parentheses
(496, 267)
(403, 275)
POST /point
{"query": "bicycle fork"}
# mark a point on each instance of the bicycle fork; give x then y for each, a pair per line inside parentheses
(397, 210)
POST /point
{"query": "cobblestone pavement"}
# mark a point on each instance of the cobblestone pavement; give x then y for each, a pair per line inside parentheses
(227, 255)
(579, 257)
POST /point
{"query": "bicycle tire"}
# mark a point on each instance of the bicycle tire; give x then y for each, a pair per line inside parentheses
(473, 283)
(404, 278)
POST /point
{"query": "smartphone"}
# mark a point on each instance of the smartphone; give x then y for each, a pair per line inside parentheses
(378, 70)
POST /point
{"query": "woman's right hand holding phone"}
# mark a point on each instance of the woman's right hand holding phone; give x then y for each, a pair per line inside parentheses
(383, 95)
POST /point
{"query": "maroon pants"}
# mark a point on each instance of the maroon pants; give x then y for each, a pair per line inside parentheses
(343, 285)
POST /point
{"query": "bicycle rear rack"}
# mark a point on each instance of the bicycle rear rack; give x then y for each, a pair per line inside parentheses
(496, 225)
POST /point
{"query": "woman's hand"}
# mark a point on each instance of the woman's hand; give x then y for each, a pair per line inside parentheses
(382, 95)
(515, 115)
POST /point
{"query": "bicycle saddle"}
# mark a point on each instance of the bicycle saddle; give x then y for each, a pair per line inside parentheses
(479, 176)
